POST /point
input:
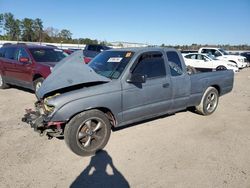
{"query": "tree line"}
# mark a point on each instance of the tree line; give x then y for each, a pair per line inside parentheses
(243, 47)
(32, 30)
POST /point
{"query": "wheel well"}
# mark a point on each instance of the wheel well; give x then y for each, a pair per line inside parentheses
(106, 111)
(233, 62)
(109, 114)
(36, 76)
(216, 87)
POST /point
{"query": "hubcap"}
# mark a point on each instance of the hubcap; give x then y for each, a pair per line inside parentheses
(1, 80)
(91, 133)
(211, 102)
(38, 85)
(221, 68)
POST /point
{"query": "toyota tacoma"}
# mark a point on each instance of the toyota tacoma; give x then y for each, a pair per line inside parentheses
(82, 103)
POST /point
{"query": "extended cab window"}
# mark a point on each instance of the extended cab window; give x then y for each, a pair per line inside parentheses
(151, 64)
(174, 63)
(10, 53)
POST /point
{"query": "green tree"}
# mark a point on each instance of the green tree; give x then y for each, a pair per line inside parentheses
(65, 35)
(11, 26)
(1, 23)
(38, 29)
(28, 33)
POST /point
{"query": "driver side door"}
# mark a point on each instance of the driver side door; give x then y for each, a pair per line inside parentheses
(143, 100)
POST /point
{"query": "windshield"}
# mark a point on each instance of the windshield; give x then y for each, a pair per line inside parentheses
(47, 54)
(111, 63)
(211, 56)
(223, 51)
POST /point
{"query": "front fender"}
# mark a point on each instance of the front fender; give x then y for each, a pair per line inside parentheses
(111, 101)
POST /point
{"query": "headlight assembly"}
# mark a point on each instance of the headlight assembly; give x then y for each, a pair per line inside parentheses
(47, 106)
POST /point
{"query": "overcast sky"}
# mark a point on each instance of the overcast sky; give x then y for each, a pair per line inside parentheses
(145, 21)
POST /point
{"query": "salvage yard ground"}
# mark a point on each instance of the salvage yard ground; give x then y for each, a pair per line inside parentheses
(181, 150)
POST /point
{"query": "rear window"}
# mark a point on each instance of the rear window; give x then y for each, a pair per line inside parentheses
(47, 54)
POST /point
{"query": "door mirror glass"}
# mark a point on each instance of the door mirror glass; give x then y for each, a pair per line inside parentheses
(137, 78)
(24, 60)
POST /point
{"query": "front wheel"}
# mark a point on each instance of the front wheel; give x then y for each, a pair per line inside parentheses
(3, 85)
(209, 102)
(87, 132)
(221, 67)
(37, 84)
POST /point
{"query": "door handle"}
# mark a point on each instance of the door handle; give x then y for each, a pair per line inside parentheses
(166, 85)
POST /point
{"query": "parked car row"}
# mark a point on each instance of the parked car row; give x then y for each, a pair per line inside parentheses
(28, 65)
(209, 59)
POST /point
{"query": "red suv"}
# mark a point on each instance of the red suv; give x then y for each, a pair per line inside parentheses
(27, 65)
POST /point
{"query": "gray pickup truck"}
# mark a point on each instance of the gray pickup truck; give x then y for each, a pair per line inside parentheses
(121, 86)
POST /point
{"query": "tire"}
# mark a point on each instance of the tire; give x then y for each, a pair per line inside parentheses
(220, 68)
(37, 84)
(87, 132)
(209, 102)
(191, 70)
(3, 85)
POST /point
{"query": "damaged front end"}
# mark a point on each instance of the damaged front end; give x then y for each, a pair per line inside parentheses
(38, 119)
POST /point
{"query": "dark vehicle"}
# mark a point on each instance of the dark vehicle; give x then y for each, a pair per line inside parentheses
(189, 51)
(67, 51)
(27, 65)
(120, 87)
(247, 55)
(90, 51)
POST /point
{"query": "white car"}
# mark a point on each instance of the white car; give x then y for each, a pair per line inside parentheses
(221, 54)
(205, 62)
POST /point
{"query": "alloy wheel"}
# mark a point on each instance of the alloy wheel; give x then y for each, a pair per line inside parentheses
(91, 133)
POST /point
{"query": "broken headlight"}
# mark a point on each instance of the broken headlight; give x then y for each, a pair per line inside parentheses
(49, 108)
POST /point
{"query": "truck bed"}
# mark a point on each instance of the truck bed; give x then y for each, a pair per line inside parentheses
(221, 80)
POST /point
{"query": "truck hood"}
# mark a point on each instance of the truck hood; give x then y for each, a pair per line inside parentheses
(70, 71)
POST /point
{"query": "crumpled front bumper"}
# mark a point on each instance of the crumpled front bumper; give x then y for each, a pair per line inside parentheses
(39, 122)
(35, 119)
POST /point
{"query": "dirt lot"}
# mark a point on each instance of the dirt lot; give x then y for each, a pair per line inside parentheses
(182, 150)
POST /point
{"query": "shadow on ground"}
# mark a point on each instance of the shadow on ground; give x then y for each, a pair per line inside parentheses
(95, 175)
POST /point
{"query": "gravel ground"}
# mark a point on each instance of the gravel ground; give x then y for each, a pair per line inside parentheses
(181, 150)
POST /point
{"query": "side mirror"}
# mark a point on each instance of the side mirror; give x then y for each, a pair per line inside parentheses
(24, 60)
(136, 78)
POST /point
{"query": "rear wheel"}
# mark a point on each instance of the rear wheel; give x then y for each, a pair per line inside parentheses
(3, 85)
(209, 102)
(221, 67)
(87, 133)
